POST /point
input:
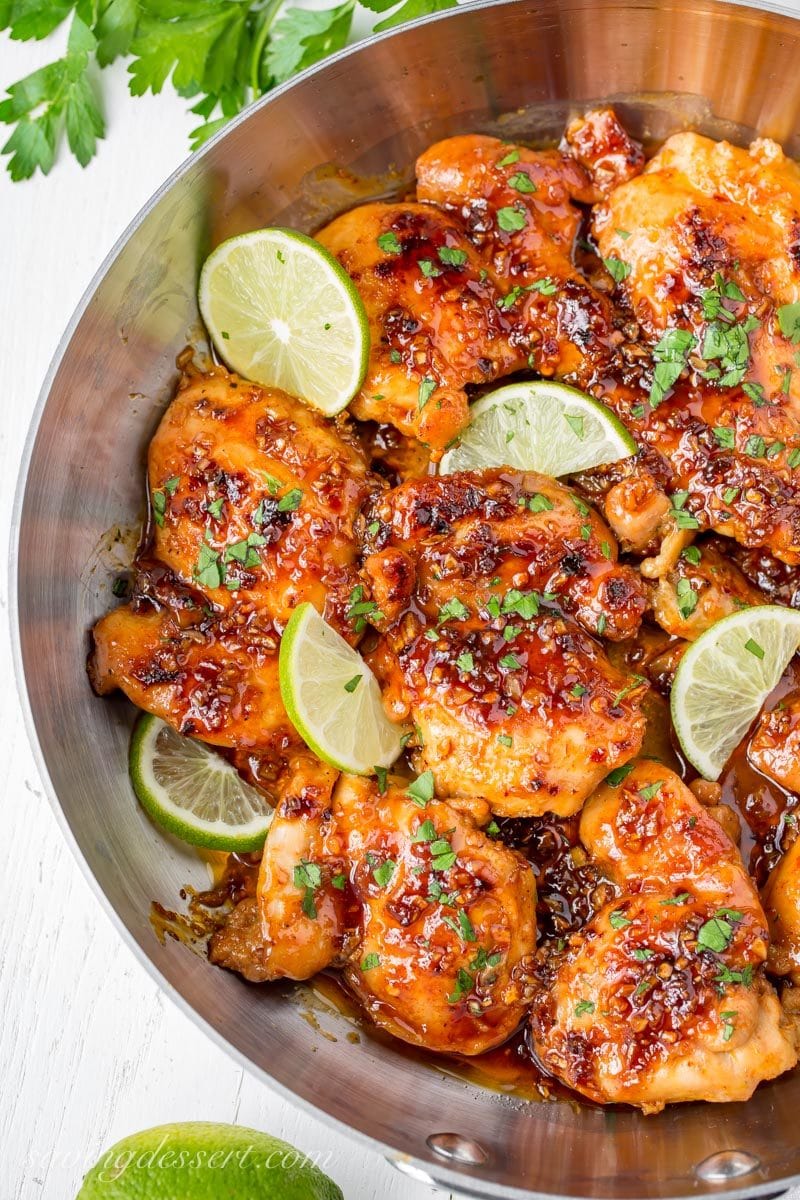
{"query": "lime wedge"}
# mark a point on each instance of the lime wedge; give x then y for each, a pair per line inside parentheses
(190, 790)
(539, 426)
(282, 311)
(332, 698)
(725, 677)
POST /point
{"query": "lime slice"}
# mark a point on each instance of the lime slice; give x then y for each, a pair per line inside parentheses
(725, 677)
(198, 1160)
(539, 426)
(190, 790)
(332, 698)
(282, 311)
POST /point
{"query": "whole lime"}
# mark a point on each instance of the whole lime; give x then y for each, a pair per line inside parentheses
(199, 1160)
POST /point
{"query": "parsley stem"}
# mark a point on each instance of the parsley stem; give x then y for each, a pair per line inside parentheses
(267, 18)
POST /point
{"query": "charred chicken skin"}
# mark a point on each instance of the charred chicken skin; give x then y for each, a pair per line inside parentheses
(531, 868)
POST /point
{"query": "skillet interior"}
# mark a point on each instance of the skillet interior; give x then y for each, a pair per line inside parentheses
(516, 69)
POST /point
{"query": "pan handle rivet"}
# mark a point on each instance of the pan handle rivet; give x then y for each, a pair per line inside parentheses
(455, 1148)
(726, 1165)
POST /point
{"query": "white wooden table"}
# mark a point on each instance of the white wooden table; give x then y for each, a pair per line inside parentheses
(90, 1049)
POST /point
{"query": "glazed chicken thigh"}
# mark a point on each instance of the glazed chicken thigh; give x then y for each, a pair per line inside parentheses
(437, 321)
(432, 921)
(661, 997)
(472, 575)
(708, 239)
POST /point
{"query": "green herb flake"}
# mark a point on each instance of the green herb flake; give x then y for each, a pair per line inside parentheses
(389, 243)
(669, 356)
(451, 256)
(753, 647)
(511, 220)
(651, 791)
(680, 899)
(466, 663)
(509, 159)
(291, 501)
(520, 181)
(617, 269)
(370, 962)
(427, 387)
(618, 920)
(505, 739)
(584, 1007)
(384, 873)
(686, 598)
(422, 789)
(353, 683)
(428, 268)
(789, 322)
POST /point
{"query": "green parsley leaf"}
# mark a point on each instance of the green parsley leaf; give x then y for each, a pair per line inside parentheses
(381, 774)
(508, 159)
(208, 568)
(384, 873)
(681, 898)
(670, 358)
(651, 791)
(453, 610)
(538, 502)
(754, 392)
(510, 662)
(291, 501)
(545, 287)
(618, 920)
(642, 954)
(584, 1006)
(451, 256)
(353, 683)
(615, 777)
(511, 220)
(716, 933)
(617, 269)
(422, 789)
(339, 881)
(692, 554)
(390, 243)
(686, 597)
(428, 268)
(725, 437)
(578, 690)
(370, 962)
(465, 662)
(426, 832)
(520, 181)
(505, 739)
(426, 389)
(789, 322)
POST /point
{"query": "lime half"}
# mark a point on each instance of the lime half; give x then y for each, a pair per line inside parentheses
(190, 790)
(197, 1160)
(332, 698)
(725, 677)
(539, 426)
(282, 311)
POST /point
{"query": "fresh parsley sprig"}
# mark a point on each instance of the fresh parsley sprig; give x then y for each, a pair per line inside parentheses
(222, 54)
